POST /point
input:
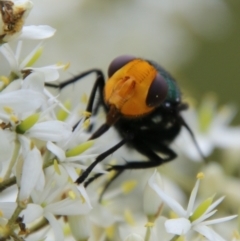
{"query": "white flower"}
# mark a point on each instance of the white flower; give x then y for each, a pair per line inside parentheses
(190, 219)
(21, 110)
(211, 129)
(55, 199)
(20, 67)
(69, 152)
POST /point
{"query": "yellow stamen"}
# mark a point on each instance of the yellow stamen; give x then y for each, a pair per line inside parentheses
(86, 123)
(71, 195)
(66, 229)
(200, 175)
(5, 80)
(56, 167)
(8, 109)
(84, 98)
(149, 225)
(64, 66)
(128, 186)
(110, 232)
(14, 119)
(129, 217)
(86, 114)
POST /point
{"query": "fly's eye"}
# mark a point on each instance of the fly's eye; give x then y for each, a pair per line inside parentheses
(118, 63)
(157, 91)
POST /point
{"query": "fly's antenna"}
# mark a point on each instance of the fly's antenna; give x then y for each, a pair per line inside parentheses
(193, 139)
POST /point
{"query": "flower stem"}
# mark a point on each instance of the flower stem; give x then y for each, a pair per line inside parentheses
(37, 226)
(147, 235)
(12, 220)
(7, 183)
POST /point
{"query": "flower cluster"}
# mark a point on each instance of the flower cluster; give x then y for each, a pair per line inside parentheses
(44, 147)
(40, 153)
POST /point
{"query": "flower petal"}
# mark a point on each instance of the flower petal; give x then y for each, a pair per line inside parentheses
(178, 226)
(7, 209)
(37, 32)
(56, 150)
(34, 81)
(80, 227)
(31, 169)
(6, 144)
(192, 198)
(58, 232)
(50, 131)
(83, 192)
(161, 230)
(32, 212)
(9, 55)
(219, 220)
(51, 72)
(203, 217)
(151, 200)
(213, 205)
(100, 213)
(40, 182)
(175, 206)
(17, 100)
(208, 233)
(68, 206)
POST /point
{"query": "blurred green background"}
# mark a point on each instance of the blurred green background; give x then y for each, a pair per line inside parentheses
(216, 66)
